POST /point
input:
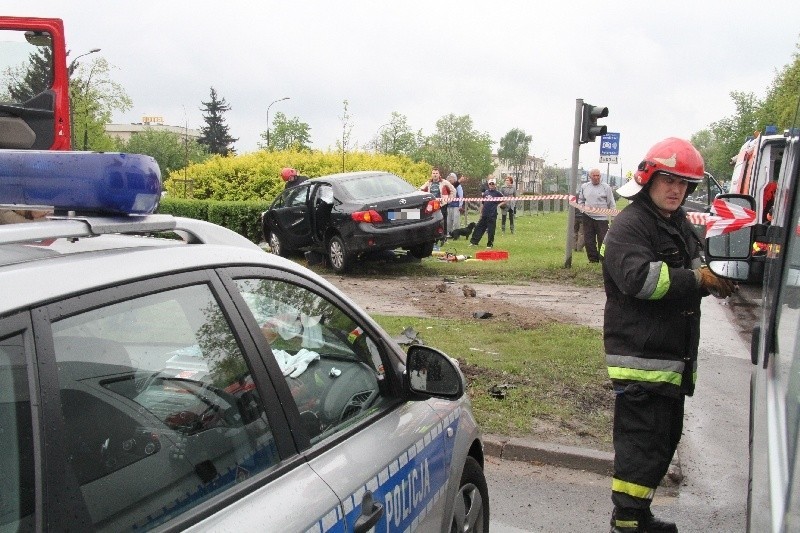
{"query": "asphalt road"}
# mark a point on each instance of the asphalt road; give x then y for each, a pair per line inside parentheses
(713, 453)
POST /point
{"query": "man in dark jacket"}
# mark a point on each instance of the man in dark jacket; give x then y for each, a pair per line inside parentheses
(654, 281)
(291, 177)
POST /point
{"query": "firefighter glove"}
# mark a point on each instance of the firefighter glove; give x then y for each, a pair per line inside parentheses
(719, 287)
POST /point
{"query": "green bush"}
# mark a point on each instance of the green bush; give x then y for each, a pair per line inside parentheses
(256, 175)
(242, 217)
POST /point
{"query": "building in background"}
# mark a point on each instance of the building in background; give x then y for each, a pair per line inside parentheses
(125, 131)
(528, 178)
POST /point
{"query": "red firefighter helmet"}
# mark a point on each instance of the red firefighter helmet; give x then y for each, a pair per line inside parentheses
(670, 156)
(288, 173)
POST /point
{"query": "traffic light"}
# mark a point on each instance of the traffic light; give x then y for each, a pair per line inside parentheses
(589, 127)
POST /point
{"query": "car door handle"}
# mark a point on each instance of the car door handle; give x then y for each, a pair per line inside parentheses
(371, 512)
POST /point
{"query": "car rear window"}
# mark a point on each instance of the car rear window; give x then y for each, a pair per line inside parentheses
(377, 186)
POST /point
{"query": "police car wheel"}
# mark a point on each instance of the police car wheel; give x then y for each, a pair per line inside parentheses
(471, 508)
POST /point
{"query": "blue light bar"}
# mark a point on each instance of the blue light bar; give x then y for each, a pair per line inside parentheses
(84, 182)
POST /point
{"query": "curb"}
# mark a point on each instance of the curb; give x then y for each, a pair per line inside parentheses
(576, 458)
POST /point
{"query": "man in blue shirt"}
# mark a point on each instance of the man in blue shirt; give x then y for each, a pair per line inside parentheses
(488, 221)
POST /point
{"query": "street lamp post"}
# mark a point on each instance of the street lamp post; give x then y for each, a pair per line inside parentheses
(86, 112)
(71, 106)
(270, 105)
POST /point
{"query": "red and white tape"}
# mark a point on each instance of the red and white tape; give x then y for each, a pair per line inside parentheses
(694, 217)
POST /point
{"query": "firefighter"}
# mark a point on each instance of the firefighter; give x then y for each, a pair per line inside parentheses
(291, 177)
(653, 280)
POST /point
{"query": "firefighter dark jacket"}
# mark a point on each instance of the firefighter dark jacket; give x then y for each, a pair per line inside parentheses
(652, 315)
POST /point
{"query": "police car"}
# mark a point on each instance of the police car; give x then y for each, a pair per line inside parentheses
(200, 383)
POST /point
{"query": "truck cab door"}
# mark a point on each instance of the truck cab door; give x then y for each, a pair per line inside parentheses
(36, 117)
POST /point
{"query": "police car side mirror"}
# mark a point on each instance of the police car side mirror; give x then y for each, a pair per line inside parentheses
(431, 373)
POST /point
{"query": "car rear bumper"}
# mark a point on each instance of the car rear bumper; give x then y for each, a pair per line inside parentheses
(368, 238)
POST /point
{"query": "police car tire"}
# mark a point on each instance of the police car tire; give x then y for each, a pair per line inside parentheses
(473, 483)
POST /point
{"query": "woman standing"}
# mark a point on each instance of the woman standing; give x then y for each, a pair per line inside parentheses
(508, 207)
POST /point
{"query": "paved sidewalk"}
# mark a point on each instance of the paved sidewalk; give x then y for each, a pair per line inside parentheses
(711, 463)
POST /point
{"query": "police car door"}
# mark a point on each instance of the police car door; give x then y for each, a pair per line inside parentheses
(163, 414)
(387, 459)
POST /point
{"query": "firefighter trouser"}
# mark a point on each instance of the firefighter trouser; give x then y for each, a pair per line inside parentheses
(647, 428)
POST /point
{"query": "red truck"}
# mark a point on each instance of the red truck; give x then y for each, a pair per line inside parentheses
(34, 85)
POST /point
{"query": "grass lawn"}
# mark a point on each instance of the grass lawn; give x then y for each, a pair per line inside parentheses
(536, 252)
(554, 377)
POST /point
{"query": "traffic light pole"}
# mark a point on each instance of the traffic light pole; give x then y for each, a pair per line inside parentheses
(573, 182)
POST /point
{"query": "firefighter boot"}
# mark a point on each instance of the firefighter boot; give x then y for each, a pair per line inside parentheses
(655, 525)
(626, 521)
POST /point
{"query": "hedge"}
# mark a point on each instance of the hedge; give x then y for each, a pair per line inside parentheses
(242, 217)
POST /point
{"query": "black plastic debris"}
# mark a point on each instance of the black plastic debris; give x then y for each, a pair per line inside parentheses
(314, 258)
(408, 337)
(499, 392)
(482, 314)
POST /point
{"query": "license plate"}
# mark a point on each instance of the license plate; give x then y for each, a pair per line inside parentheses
(405, 214)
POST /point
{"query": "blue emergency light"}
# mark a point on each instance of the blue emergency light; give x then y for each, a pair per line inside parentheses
(83, 182)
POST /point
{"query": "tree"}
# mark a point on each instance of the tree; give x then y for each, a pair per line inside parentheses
(721, 141)
(456, 146)
(347, 129)
(514, 149)
(94, 97)
(780, 104)
(215, 135)
(287, 134)
(34, 78)
(172, 151)
(395, 137)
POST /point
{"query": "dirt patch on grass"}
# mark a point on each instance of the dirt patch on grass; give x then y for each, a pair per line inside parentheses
(528, 305)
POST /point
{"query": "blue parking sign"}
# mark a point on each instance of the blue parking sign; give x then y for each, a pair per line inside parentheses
(609, 144)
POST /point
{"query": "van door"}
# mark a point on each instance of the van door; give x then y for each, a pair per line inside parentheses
(774, 502)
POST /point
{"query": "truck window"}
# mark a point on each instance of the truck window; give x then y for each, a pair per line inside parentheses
(34, 86)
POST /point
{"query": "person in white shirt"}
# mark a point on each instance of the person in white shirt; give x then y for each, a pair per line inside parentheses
(594, 193)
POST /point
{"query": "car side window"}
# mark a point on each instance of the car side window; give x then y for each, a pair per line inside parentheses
(17, 495)
(333, 368)
(157, 397)
(295, 196)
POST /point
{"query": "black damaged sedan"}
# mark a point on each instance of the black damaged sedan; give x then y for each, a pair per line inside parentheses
(348, 216)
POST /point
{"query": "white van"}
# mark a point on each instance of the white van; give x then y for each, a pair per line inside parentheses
(774, 484)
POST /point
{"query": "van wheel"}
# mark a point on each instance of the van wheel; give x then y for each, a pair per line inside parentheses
(471, 508)
(338, 256)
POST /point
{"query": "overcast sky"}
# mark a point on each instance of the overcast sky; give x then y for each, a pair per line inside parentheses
(662, 68)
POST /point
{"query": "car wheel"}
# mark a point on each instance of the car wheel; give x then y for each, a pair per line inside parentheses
(276, 245)
(338, 255)
(471, 508)
(421, 251)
